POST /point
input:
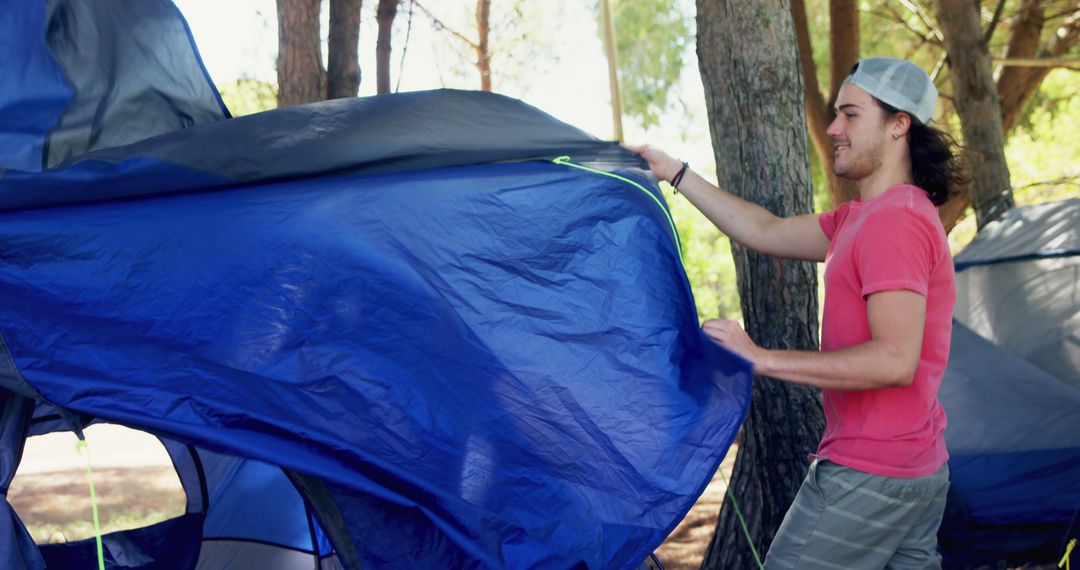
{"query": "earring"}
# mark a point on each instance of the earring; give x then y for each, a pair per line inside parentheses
(895, 136)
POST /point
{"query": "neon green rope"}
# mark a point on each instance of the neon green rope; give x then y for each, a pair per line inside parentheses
(565, 161)
(742, 521)
(79, 448)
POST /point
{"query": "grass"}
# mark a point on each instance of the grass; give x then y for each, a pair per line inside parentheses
(55, 505)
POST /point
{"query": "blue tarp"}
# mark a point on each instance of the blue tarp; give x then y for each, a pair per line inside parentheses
(485, 359)
(508, 354)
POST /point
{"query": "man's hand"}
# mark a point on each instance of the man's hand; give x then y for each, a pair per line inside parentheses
(662, 165)
(732, 336)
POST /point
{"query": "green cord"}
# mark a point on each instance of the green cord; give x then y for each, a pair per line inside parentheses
(79, 448)
(746, 531)
(565, 161)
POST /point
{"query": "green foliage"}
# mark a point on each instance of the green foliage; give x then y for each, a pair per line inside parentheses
(1042, 149)
(708, 262)
(817, 21)
(247, 96)
(651, 37)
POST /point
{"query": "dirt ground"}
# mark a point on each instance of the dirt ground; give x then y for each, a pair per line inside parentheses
(685, 547)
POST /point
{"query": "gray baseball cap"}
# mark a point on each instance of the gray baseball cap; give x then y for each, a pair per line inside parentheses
(898, 83)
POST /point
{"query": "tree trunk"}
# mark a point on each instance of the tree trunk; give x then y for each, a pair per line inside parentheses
(754, 96)
(343, 77)
(844, 51)
(611, 52)
(385, 15)
(483, 53)
(843, 43)
(1016, 85)
(977, 104)
(300, 73)
(1024, 43)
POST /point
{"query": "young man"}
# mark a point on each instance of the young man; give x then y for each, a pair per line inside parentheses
(875, 491)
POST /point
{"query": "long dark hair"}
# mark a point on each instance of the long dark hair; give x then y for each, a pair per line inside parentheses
(938, 164)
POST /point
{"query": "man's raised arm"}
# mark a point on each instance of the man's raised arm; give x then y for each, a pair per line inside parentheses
(797, 237)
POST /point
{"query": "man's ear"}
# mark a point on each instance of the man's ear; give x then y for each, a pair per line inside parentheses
(901, 124)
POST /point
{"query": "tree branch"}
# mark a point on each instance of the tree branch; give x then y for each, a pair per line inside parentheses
(893, 16)
(1039, 62)
(1063, 14)
(994, 22)
(1017, 84)
(939, 66)
(405, 47)
(843, 42)
(924, 17)
(1070, 180)
(441, 26)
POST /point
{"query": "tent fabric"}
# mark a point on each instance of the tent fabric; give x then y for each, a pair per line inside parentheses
(18, 552)
(1041, 230)
(446, 345)
(167, 545)
(81, 76)
(1016, 286)
(1012, 390)
(983, 376)
(458, 352)
(239, 489)
(232, 555)
(381, 134)
(1027, 308)
(985, 388)
(134, 71)
(33, 92)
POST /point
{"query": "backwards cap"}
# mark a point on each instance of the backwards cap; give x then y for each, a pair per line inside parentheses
(898, 83)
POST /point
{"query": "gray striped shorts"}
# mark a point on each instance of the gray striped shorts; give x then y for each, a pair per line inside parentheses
(847, 519)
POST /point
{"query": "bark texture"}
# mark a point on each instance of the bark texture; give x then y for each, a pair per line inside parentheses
(343, 63)
(976, 96)
(385, 15)
(300, 73)
(483, 49)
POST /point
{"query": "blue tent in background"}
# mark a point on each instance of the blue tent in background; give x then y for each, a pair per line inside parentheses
(1012, 391)
(373, 333)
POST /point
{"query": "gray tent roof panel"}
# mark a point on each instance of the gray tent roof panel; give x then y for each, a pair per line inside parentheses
(441, 128)
(985, 387)
(1044, 230)
(134, 71)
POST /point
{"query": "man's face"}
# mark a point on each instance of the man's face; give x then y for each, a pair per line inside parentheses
(858, 133)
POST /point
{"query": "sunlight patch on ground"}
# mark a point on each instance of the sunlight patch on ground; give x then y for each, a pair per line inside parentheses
(135, 482)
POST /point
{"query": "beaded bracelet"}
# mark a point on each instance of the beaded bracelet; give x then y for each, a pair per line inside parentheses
(678, 177)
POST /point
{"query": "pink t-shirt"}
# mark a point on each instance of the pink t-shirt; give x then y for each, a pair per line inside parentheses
(893, 241)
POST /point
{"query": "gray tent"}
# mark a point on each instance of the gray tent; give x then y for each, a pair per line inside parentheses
(1017, 286)
(1012, 390)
